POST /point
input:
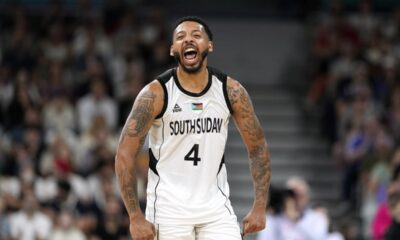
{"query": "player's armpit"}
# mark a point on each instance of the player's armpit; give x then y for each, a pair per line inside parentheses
(253, 136)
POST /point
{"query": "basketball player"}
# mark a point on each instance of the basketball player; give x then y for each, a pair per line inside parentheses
(185, 112)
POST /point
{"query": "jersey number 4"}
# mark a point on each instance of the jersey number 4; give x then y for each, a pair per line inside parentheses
(193, 155)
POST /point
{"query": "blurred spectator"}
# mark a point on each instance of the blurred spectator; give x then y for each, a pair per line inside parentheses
(393, 232)
(365, 21)
(30, 223)
(59, 116)
(65, 198)
(45, 187)
(96, 104)
(55, 48)
(66, 228)
(133, 83)
(103, 178)
(6, 90)
(89, 225)
(33, 144)
(376, 179)
(152, 30)
(25, 96)
(310, 219)
(297, 220)
(160, 58)
(394, 114)
(4, 222)
(114, 224)
(90, 40)
(18, 53)
(283, 224)
(97, 139)
(382, 219)
(54, 80)
(343, 66)
(128, 66)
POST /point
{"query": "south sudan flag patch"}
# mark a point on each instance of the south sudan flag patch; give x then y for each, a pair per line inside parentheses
(197, 106)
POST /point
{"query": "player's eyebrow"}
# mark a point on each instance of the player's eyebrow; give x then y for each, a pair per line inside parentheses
(183, 31)
(197, 30)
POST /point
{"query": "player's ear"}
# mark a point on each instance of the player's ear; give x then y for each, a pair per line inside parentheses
(171, 52)
(210, 46)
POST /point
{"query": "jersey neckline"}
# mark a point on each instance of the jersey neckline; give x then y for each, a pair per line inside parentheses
(192, 94)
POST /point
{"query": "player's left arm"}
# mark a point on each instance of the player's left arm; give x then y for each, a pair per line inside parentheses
(253, 136)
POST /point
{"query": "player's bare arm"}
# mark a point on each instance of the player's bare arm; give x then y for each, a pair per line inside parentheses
(145, 108)
(254, 139)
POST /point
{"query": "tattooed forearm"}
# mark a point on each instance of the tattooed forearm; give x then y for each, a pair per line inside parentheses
(128, 185)
(261, 171)
(140, 116)
(127, 178)
(253, 134)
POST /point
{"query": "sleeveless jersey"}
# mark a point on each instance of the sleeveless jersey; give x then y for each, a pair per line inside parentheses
(187, 180)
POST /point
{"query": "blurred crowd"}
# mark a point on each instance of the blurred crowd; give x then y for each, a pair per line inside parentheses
(291, 215)
(68, 78)
(356, 87)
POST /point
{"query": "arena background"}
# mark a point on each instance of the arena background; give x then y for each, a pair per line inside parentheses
(323, 76)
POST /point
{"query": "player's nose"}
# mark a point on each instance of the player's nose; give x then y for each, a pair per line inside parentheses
(188, 39)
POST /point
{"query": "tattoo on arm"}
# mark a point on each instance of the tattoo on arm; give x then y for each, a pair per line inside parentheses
(140, 116)
(251, 128)
(128, 186)
(261, 171)
(135, 127)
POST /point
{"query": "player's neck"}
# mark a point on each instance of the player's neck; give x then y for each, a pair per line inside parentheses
(193, 82)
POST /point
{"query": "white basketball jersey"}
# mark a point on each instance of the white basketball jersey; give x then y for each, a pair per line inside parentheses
(187, 181)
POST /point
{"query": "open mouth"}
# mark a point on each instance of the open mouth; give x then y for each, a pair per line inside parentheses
(190, 53)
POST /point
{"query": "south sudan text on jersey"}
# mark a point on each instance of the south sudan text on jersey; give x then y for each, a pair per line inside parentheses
(196, 126)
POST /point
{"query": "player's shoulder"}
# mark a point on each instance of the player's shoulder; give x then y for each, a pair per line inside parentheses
(237, 94)
(157, 85)
(233, 84)
(154, 87)
(166, 76)
(153, 95)
(217, 73)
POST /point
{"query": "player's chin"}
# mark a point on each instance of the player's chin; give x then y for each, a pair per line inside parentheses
(193, 68)
(191, 64)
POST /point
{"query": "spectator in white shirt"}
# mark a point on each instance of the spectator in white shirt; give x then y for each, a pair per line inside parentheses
(66, 228)
(30, 223)
(315, 223)
(59, 115)
(95, 104)
(297, 220)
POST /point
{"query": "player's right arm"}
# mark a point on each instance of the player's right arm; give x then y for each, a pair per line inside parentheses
(147, 106)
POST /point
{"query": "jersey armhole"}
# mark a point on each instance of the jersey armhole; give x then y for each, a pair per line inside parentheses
(225, 90)
(165, 104)
(224, 79)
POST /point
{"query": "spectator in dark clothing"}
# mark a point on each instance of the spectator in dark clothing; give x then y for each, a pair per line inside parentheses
(114, 223)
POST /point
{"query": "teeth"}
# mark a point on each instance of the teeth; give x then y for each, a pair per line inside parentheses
(189, 49)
